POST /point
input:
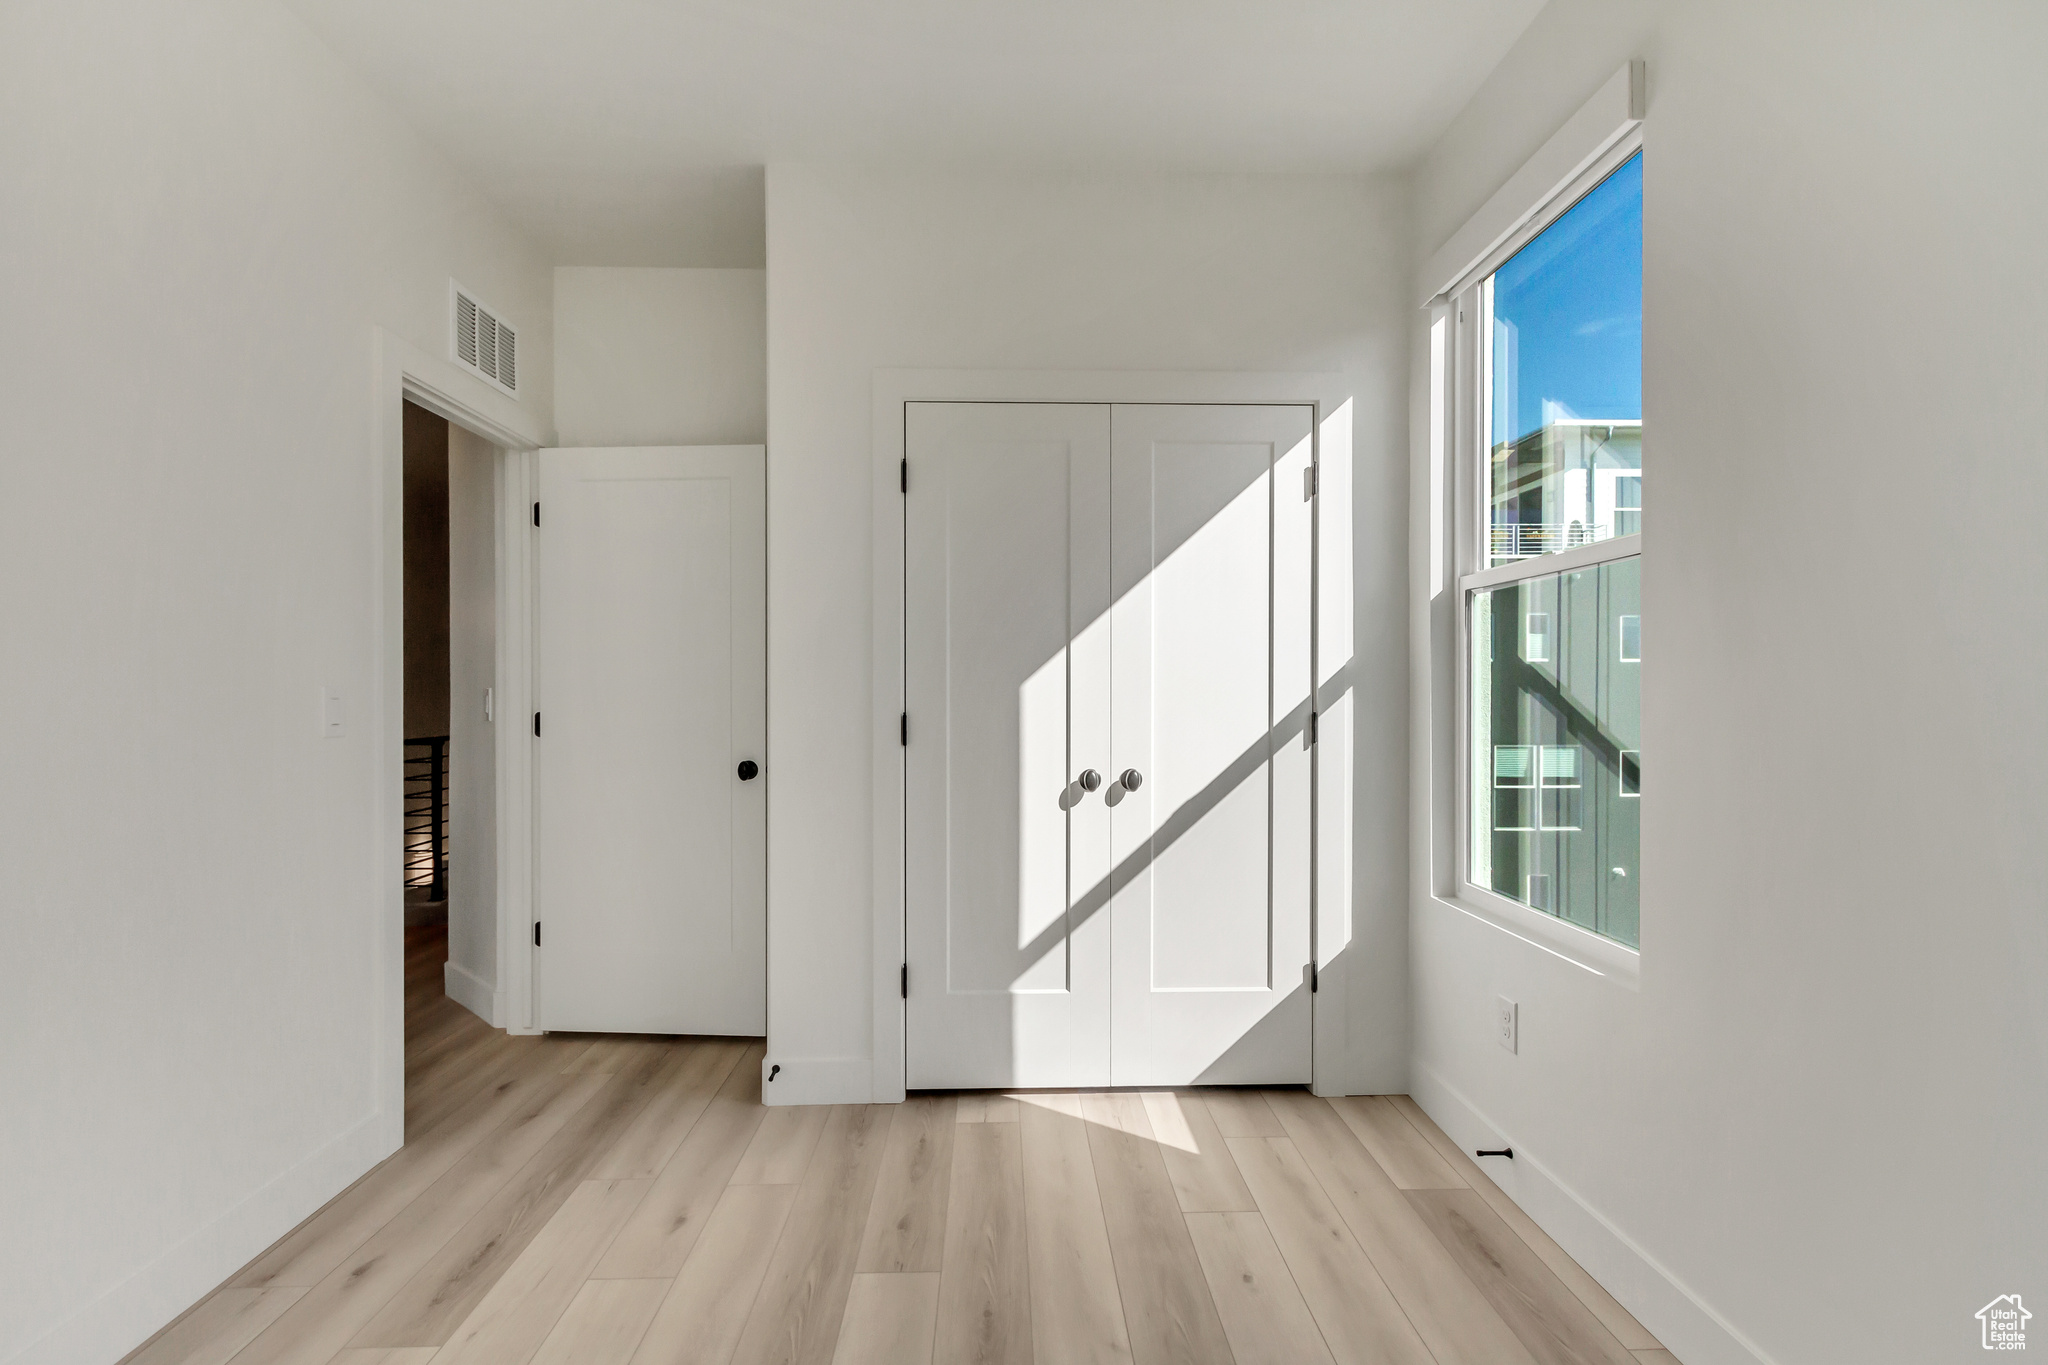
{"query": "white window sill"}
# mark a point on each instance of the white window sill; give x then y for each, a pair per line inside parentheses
(1582, 948)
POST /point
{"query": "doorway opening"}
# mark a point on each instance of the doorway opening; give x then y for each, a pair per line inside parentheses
(448, 857)
(425, 851)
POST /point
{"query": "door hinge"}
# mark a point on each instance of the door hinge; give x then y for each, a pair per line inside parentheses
(1310, 485)
(903, 981)
(903, 736)
(1309, 734)
(1312, 981)
(536, 933)
(536, 514)
(904, 476)
(536, 725)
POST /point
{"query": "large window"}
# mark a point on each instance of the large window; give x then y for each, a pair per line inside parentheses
(1553, 613)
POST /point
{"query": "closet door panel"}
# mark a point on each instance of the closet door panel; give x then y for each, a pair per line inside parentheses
(1006, 555)
(1210, 669)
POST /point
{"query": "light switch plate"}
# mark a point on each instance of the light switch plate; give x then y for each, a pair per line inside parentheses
(1506, 1023)
(331, 726)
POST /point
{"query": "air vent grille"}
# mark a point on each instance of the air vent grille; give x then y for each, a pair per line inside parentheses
(465, 329)
(483, 342)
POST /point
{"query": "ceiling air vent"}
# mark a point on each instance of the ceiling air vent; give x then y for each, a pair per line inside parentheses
(483, 341)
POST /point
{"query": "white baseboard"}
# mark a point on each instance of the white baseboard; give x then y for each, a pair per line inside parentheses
(1674, 1314)
(470, 991)
(817, 1080)
(130, 1312)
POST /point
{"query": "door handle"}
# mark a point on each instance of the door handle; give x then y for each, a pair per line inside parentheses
(1127, 781)
(749, 770)
(1087, 782)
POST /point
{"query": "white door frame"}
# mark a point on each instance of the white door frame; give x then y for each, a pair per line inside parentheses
(404, 372)
(1331, 396)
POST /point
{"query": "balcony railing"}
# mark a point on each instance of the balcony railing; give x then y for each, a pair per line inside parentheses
(426, 815)
(1526, 540)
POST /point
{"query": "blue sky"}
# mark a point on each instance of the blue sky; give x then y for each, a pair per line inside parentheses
(1568, 308)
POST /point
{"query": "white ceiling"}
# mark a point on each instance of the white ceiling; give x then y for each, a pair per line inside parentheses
(632, 132)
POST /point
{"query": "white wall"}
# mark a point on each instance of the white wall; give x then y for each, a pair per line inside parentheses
(206, 217)
(873, 270)
(1821, 1113)
(472, 971)
(660, 357)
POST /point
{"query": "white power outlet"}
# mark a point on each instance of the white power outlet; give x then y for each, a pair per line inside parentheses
(331, 726)
(1506, 1022)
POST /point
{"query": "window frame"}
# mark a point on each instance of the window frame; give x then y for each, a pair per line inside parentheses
(1468, 379)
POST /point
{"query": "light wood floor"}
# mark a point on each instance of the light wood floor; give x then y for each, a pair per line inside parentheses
(600, 1201)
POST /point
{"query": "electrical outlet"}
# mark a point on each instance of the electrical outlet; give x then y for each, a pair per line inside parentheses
(1506, 1021)
(330, 714)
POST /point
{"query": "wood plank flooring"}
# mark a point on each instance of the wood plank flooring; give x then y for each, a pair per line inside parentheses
(629, 1201)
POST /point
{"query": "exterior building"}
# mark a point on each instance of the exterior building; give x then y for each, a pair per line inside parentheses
(1572, 481)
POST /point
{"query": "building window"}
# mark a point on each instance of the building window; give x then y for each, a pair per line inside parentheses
(1552, 340)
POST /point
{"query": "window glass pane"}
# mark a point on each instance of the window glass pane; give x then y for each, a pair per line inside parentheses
(1556, 744)
(1564, 336)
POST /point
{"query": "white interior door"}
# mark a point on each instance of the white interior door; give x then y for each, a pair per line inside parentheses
(1006, 559)
(1210, 641)
(650, 679)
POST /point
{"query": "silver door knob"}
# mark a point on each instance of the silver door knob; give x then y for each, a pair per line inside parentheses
(1087, 782)
(1128, 781)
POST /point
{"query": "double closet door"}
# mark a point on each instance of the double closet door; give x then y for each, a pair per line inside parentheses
(1107, 669)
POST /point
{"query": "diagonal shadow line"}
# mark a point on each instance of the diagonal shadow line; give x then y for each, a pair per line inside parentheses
(1576, 721)
(1185, 817)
